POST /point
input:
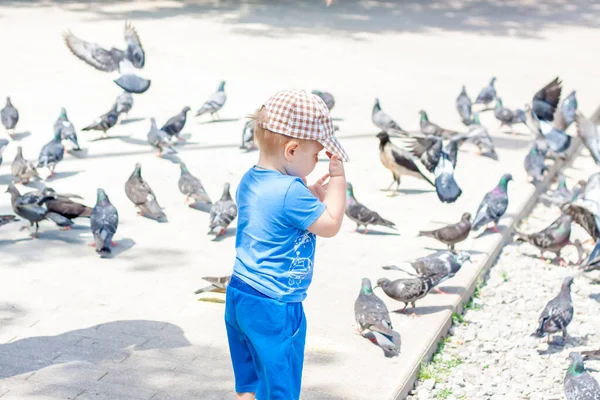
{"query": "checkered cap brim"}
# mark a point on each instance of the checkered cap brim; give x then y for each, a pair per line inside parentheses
(302, 115)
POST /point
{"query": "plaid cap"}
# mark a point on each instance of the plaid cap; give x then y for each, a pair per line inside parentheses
(302, 115)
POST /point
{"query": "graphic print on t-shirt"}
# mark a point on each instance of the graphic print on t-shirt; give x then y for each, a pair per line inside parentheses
(301, 266)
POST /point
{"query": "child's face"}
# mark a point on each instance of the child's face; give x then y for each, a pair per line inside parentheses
(302, 158)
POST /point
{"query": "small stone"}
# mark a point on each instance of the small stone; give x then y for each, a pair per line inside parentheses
(429, 384)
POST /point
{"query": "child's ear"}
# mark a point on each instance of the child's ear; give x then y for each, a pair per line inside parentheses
(290, 149)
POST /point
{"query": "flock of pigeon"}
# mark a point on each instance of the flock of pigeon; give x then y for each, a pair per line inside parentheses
(430, 155)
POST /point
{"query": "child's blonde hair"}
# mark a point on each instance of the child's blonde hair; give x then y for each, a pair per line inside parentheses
(267, 141)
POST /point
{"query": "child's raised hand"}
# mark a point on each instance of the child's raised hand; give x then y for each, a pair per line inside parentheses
(336, 166)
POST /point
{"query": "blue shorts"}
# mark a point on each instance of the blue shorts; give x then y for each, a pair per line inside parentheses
(266, 342)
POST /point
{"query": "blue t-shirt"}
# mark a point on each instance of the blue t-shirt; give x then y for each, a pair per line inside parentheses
(275, 252)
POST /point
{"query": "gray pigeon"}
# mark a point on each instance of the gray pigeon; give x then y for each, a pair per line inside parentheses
(3, 145)
(104, 222)
(427, 149)
(142, 196)
(463, 106)
(327, 98)
(546, 100)
(534, 161)
(579, 385)
(407, 290)
(373, 320)
(558, 141)
(51, 154)
(159, 139)
(108, 60)
(175, 124)
(104, 122)
(558, 313)
(6, 219)
(487, 94)
(565, 114)
(215, 102)
(429, 128)
(585, 210)
(453, 233)
(66, 130)
(446, 187)
(22, 170)
(508, 117)
(130, 82)
(588, 133)
(30, 206)
(360, 214)
(217, 284)
(248, 135)
(494, 205)
(561, 195)
(191, 186)
(400, 162)
(223, 212)
(480, 137)
(124, 103)
(552, 239)
(9, 117)
(383, 121)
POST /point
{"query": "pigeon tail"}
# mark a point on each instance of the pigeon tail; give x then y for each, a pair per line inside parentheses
(397, 268)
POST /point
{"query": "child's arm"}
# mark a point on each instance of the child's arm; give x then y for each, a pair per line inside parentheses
(330, 222)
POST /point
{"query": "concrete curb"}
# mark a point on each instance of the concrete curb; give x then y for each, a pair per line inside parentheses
(485, 265)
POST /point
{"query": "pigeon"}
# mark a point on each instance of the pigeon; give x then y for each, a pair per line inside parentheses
(593, 261)
(22, 170)
(463, 106)
(588, 133)
(175, 124)
(480, 137)
(3, 145)
(579, 384)
(129, 81)
(217, 284)
(586, 213)
(248, 135)
(451, 150)
(66, 130)
(6, 219)
(124, 103)
(407, 290)
(429, 128)
(360, 214)
(558, 141)
(427, 149)
(64, 206)
(441, 265)
(191, 186)
(558, 313)
(494, 205)
(446, 187)
(560, 196)
(534, 161)
(565, 114)
(223, 212)
(214, 103)
(104, 122)
(326, 97)
(383, 121)
(400, 162)
(159, 139)
(507, 116)
(142, 196)
(487, 94)
(104, 222)
(30, 206)
(373, 319)
(453, 233)
(552, 239)
(108, 60)
(51, 154)
(9, 117)
(545, 101)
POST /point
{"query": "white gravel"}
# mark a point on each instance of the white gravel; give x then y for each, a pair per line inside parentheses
(490, 353)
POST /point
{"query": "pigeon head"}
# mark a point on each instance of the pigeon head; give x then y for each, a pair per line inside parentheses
(377, 106)
(57, 136)
(365, 286)
(8, 103)
(138, 170)
(504, 180)
(383, 137)
(492, 81)
(221, 86)
(498, 102)
(152, 122)
(19, 151)
(567, 282)
(185, 109)
(183, 168)
(464, 90)
(576, 367)
(226, 195)
(63, 113)
(383, 283)
(466, 217)
(423, 115)
(11, 189)
(349, 190)
(462, 257)
(101, 196)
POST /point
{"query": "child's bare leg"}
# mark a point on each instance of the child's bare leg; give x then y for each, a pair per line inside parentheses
(244, 396)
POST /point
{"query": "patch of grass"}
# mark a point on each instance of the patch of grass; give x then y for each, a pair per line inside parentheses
(504, 276)
(443, 394)
(458, 319)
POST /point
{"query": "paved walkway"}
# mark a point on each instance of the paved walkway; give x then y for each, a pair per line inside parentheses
(75, 326)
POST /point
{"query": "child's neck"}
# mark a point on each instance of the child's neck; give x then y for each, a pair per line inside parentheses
(265, 162)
